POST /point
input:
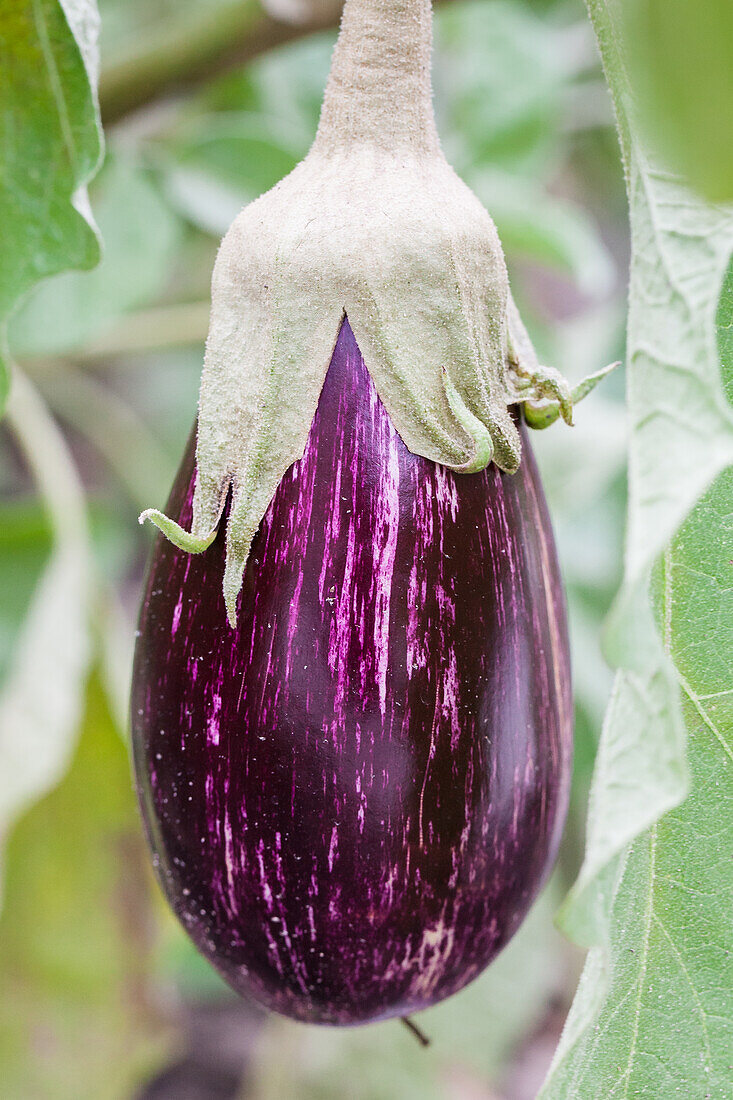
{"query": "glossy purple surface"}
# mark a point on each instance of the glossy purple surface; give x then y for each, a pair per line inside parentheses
(354, 797)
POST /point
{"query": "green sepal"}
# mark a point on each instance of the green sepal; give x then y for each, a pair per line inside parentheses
(184, 540)
(473, 427)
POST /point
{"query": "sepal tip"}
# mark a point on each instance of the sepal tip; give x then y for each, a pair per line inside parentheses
(188, 541)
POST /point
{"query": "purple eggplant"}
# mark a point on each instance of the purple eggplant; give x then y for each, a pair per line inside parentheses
(355, 795)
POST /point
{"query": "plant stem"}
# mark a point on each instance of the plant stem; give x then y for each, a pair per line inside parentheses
(379, 89)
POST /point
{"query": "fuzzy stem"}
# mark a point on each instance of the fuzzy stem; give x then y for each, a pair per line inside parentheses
(379, 89)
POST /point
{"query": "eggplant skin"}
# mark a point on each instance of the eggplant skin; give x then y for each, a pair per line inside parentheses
(353, 797)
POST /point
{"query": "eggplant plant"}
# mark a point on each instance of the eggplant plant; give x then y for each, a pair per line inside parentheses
(351, 711)
(353, 386)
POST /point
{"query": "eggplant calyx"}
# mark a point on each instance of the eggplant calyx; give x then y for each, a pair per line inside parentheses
(375, 226)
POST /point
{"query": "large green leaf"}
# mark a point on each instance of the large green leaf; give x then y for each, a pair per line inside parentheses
(659, 995)
(140, 235)
(650, 1014)
(25, 543)
(682, 60)
(51, 142)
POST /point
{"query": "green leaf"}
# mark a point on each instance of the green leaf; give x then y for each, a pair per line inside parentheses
(724, 328)
(77, 933)
(51, 142)
(681, 55)
(660, 994)
(140, 237)
(649, 1013)
(42, 691)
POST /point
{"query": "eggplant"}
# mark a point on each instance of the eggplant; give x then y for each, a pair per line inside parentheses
(354, 796)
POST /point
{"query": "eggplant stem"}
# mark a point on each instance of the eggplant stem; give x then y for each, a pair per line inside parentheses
(419, 1034)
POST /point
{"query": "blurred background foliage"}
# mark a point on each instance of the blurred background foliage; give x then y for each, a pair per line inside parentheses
(103, 995)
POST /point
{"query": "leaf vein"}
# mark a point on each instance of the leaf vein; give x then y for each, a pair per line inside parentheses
(644, 958)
